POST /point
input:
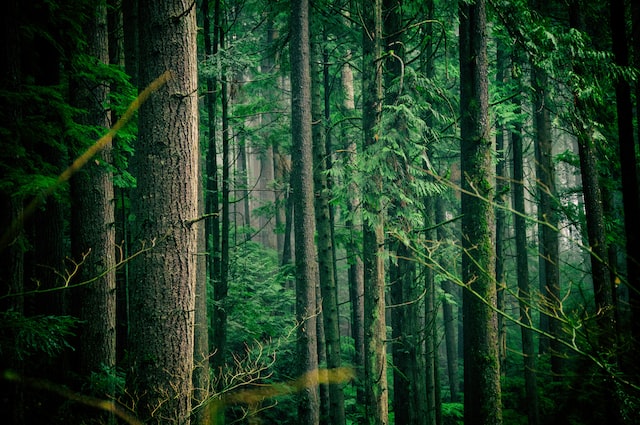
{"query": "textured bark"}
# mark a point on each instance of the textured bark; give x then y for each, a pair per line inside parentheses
(93, 216)
(328, 285)
(165, 202)
(304, 225)
(375, 368)
(482, 370)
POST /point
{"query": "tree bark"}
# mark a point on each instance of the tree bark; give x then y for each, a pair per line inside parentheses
(304, 225)
(93, 230)
(482, 369)
(165, 204)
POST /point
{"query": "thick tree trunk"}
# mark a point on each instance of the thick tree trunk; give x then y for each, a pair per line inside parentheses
(304, 225)
(482, 369)
(165, 205)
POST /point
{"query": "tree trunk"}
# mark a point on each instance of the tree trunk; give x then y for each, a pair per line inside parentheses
(628, 168)
(427, 396)
(482, 369)
(93, 230)
(522, 263)
(375, 382)
(302, 185)
(548, 247)
(353, 223)
(448, 312)
(221, 285)
(593, 209)
(201, 369)
(328, 286)
(502, 188)
(212, 184)
(165, 205)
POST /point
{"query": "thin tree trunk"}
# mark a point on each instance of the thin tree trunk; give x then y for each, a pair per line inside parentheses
(212, 193)
(522, 263)
(448, 312)
(221, 286)
(628, 168)
(548, 247)
(328, 286)
(502, 187)
(201, 369)
(427, 397)
(302, 185)
(375, 382)
(353, 222)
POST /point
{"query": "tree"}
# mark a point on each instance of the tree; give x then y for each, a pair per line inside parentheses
(522, 266)
(548, 264)
(165, 205)
(325, 245)
(628, 164)
(304, 225)
(93, 233)
(375, 367)
(481, 357)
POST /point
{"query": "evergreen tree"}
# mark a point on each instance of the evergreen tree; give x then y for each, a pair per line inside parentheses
(165, 205)
(302, 193)
(481, 364)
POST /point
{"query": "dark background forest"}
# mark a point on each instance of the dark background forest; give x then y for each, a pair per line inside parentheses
(320, 212)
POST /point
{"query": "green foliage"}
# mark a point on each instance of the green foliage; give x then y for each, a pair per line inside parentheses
(107, 380)
(259, 303)
(26, 337)
(452, 413)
